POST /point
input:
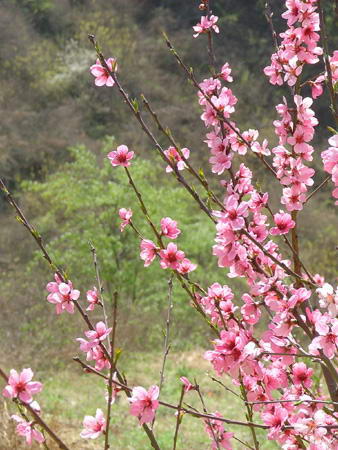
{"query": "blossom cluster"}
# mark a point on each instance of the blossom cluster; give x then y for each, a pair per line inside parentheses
(295, 129)
(330, 160)
(20, 386)
(317, 84)
(299, 45)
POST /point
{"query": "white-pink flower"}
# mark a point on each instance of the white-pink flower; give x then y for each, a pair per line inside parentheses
(171, 257)
(148, 251)
(62, 295)
(93, 426)
(27, 430)
(144, 403)
(328, 298)
(175, 158)
(225, 73)
(125, 216)
(101, 74)
(186, 266)
(187, 385)
(207, 24)
(121, 156)
(92, 298)
(169, 228)
(20, 385)
(284, 223)
(100, 332)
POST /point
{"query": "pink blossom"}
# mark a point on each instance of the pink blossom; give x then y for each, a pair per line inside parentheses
(261, 149)
(86, 346)
(207, 24)
(220, 161)
(301, 375)
(144, 403)
(148, 251)
(96, 354)
(101, 74)
(328, 298)
(187, 385)
(328, 342)
(175, 158)
(235, 213)
(27, 430)
(171, 257)
(100, 332)
(125, 215)
(225, 73)
(20, 385)
(298, 296)
(284, 223)
(92, 298)
(62, 295)
(250, 311)
(275, 420)
(330, 160)
(293, 198)
(115, 389)
(121, 156)
(186, 266)
(317, 87)
(169, 228)
(93, 426)
(215, 430)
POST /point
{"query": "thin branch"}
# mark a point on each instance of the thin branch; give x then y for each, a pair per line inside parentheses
(174, 143)
(249, 414)
(111, 372)
(99, 285)
(166, 346)
(322, 184)
(179, 417)
(293, 401)
(195, 413)
(220, 116)
(329, 81)
(206, 412)
(134, 109)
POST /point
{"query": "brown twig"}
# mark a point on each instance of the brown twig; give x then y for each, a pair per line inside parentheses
(111, 371)
(220, 117)
(166, 346)
(134, 109)
(198, 390)
(199, 414)
(179, 417)
(100, 287)
(202, 180)
(322, 184)
(329, 81)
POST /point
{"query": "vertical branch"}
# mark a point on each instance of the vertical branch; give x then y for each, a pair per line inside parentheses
(100, 287)
(211, 52)
(166, 346)
(206, 412)
(111, 371)
(323, 34)
(249, 415)
(295, 245)
(178, 418)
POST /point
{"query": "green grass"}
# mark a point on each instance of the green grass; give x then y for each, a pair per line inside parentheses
(69, 395)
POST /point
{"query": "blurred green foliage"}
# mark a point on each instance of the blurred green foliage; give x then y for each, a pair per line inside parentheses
(78, 204)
